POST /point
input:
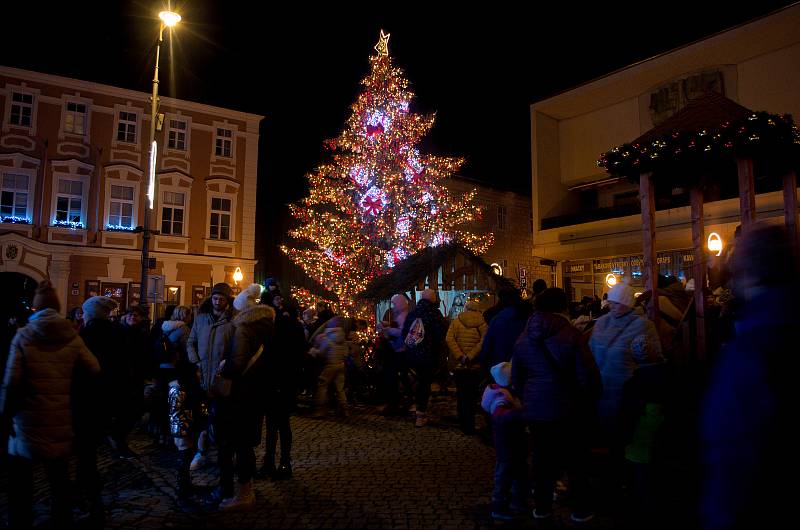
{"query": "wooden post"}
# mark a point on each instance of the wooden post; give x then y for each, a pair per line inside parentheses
(650, 268)
(699, 267)
(747, 193)
(790, 206)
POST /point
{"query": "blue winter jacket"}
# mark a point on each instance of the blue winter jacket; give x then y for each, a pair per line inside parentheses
(504, 330)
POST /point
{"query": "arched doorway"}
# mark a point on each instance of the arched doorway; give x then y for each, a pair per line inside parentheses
(18, 291)
(15, 307)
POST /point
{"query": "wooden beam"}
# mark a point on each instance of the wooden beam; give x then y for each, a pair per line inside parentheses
(650, 266)
(790, 206)
(747, 192)
(699, 268)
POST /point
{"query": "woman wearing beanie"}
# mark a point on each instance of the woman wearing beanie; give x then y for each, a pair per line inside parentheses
(237, 415)
(36, 400)
(621, 341)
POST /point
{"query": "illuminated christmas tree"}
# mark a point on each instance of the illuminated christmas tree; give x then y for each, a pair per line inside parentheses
(379, 199)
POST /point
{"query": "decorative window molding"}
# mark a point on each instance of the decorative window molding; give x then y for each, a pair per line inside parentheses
(223, 148)
(75, 117)
(17, 188)
(177, 134)
(69, 199)
(121, 205)
(171, 187)
(21, 108)
(221, 199)
(127, 127)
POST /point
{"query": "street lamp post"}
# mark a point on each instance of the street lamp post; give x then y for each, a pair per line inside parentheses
(168, 19)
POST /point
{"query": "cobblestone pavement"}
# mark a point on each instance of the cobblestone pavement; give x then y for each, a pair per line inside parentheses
(365, 471)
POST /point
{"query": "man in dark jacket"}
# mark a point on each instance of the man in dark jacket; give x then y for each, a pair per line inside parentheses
(506, 297)
(424, 347)
(282, 367)
(554, 373)
(94, 401)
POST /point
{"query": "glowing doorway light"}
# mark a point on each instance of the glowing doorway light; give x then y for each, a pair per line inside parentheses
(715, 243)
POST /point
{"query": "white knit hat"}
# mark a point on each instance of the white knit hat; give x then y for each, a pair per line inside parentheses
(501, 373)
(622, 293)
(248, 297)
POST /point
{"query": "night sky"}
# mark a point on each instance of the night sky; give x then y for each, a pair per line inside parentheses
(479, 68)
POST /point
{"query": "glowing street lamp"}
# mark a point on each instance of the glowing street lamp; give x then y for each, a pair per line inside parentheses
(238, 276)
(168, 19)
(611, 279)
(715, 243)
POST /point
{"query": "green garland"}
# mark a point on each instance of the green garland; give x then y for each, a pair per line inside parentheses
(761, 133)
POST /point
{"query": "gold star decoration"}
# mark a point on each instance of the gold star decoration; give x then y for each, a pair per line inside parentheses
(383, 44)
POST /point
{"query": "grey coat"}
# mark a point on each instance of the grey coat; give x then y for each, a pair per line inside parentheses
(37, 386)
(208, 342)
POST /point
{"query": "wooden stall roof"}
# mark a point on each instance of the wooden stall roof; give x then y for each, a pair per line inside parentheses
(413, 270)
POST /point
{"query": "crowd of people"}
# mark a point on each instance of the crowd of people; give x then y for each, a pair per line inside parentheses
(554, 388)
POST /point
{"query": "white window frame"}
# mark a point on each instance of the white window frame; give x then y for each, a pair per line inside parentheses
(9, 90)
(223, 140)
(161, 205)
(67, 100)
(231, 224)
(115, 141)
(502, 217)
(31, 174)
(187, 143)
(234, 129)
(137, 191)
(85, 179)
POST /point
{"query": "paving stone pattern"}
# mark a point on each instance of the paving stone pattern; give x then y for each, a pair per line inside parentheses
(362, 472)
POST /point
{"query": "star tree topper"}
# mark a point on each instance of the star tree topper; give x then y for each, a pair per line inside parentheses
(383, 44)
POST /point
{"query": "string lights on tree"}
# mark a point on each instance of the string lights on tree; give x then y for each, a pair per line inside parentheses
(378, 199)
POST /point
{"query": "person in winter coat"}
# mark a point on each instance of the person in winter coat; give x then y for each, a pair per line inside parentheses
(208, 341)
(36, 398)
(423, 335)
(395, 365)
(186, 409)
(555, 375)
(332, 346)
(506, 297)
(503, 332)
(509, 496)
(211, 333)
(170, 352)
(464, 340)
(237, 415)
(282, 367)
(748, 417)
(621, 341)
(92, 416)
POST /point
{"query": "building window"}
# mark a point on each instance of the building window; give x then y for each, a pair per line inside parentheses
(69, 201)
(172, 213)
(126, 129)
(224, 143)
(120, 212)
(502, 214)
(14, 196)
(220, 219)
(21, 109)
(177, 135)
(75, 119)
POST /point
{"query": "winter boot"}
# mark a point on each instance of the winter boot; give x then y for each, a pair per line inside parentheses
(284, 471)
